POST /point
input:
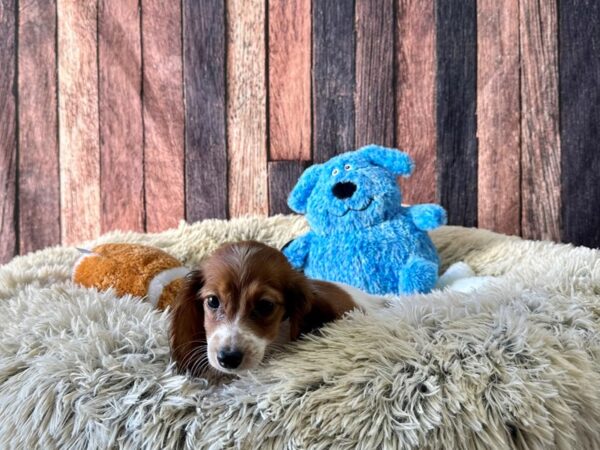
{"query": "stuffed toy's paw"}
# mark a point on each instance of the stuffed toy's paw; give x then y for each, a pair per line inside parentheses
(360, 233)
(296, 251)
(417, 275)
(428, 217)
(131, 269)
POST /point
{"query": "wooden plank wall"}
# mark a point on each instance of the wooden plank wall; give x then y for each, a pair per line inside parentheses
(579, 99)
(8, 131)
(205, 119)
(38, 183)
(456, 95)
(139, 113)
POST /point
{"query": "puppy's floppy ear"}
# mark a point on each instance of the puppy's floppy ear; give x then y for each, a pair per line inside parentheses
(396, 161)
(312, 304)
(187, 321)
(297, 305)
(299, 196)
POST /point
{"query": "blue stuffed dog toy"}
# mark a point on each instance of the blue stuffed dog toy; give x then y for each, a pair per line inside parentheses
(360, 233)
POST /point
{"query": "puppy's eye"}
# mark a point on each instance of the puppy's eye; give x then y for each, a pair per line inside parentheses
(264, 307)
(334, 172)
(212, 301)
(348, 167)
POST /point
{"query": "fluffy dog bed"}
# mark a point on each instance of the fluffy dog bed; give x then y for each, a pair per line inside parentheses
(512, 365)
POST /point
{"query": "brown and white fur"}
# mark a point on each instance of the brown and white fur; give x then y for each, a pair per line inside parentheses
(246, 300)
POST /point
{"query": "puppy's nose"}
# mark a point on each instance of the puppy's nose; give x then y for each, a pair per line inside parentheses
(230, 358)
(344, 189)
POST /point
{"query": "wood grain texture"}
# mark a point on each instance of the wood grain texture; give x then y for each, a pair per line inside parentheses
(333, 78)
(283, 176)
(78, 120)
(120, 112)
(289, 80)
(374, 97)
(456, 101)
(579, 118)
(39, 185)
(163, 114)
(246, 108)
(204, 80)
(8, 131)
(415, 96)
(498, 116)
(540, 139)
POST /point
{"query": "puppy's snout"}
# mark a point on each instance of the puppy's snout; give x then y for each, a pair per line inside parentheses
(230, 358)
(344, 189)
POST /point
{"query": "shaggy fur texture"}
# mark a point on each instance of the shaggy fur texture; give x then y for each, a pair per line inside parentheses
(354, 207)
(513, 365)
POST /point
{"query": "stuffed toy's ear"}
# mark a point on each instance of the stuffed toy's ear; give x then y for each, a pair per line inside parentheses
(299, 196)
(396, 161)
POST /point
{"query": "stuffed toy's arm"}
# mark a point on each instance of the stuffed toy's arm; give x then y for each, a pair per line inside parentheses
(297, 251)
(427, 216)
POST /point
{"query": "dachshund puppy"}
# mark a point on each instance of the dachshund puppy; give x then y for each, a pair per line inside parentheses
(246, 300)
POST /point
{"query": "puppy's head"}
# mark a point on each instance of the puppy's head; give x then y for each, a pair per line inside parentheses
(233, 307)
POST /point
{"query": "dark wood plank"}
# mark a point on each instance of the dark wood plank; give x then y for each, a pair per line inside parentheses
(120, 110)
(163, 114)
(415, 97)
(78, 120)
(540, 140)
(8, 131)
(498, 116)
(204, 84)
(39, 185)
(289, 80)
(246, 108)
(579, 119)
(374, 98)
(456, 100)
(334, 78)
(283, 176)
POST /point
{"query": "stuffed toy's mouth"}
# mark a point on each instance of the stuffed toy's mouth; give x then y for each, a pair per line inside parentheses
(349, 208)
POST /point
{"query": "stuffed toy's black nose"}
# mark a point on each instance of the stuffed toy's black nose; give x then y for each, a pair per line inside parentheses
(230, 359)
(344, 189)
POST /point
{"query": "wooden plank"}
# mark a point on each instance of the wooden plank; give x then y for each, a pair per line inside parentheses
(456, 100)
(163, 114)
(39, 186)
(246, 108)
(8, 131)
(78, 120)
(579, 112)
(283, 176)
(374, 97)
(498, 116)
(415, 97)
(333, 78)
(289, 80)
(540, 139)
(204, 84)
(121, 130)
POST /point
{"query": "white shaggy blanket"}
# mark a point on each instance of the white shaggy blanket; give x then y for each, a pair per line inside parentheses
(514, 364)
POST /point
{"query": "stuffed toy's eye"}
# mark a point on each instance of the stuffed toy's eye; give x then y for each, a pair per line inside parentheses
(212, 301)
(347, 167)
(264, 307)
(334, 172)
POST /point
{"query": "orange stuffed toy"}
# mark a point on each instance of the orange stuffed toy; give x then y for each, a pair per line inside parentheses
(132, 269)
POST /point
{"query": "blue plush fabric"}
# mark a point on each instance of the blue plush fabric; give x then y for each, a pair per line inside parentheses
(360, 233)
